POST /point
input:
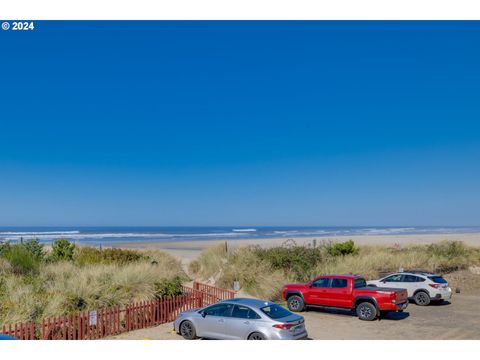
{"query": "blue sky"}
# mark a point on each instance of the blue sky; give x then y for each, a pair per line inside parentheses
(240, 123)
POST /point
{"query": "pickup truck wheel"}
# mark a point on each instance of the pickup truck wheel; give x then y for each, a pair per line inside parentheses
(366, 311)
(295, 303)
(421, 298)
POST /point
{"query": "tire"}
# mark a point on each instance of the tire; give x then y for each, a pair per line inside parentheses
(295, 303)
(366, 311)
(187, 330)
(421, 298)
(256, 336)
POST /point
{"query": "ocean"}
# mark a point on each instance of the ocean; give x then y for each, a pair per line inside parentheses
(112, 235)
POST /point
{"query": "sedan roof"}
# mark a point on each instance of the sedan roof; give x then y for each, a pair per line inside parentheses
(255, 303)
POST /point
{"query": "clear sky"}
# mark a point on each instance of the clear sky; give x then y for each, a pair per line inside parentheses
(240, 123)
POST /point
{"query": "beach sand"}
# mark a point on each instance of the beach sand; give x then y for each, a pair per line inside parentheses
(189, 250)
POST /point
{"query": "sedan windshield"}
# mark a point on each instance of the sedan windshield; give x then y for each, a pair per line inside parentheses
(275, 311)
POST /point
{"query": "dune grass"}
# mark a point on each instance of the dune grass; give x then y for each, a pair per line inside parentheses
(263, 272)
(90, 279)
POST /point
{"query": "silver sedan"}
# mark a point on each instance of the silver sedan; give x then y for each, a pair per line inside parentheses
(249, 319)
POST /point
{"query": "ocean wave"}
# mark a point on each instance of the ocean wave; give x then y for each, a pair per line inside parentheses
(38, 232)
(244, 230)
(81, 236)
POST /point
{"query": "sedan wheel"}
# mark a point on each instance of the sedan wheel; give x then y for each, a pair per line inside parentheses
(422, 298)
(256, 336)
(187, 330)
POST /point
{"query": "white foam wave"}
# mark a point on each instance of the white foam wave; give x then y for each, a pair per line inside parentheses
(39, 232)
(80, 236)
(244, 230)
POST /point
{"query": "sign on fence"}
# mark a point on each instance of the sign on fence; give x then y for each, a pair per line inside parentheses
(92, 318)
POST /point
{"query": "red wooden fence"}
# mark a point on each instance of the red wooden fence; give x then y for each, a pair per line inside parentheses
(105, 322)
(212, 293)
(24, 331)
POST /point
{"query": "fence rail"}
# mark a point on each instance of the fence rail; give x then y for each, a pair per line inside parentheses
(97, 324)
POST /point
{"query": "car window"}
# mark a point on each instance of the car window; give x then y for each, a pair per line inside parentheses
(219, 310)
(359, 283)
(321, 283)
(244, 312)
(338, 283)
(275, 311)
(411, 278)
(438, 279)
(394, 278)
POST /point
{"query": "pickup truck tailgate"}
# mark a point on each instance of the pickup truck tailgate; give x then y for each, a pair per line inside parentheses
(402, 296)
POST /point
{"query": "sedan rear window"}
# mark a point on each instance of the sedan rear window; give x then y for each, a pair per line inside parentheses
(438, 279)
(275, 311)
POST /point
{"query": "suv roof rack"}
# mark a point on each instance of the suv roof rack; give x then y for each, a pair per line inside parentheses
(424, 272)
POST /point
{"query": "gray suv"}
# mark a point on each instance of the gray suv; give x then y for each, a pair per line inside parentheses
(247, 319)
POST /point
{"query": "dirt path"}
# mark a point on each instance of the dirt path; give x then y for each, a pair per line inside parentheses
(459, 319)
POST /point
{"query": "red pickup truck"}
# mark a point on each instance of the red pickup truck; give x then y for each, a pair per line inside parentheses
(347, 292)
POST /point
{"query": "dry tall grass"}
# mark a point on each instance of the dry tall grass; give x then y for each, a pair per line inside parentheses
(261, 279)
(63, 287)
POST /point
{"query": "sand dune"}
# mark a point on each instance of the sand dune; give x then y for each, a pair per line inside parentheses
(188, 250)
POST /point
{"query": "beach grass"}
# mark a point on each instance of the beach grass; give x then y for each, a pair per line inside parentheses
(89, 279)
(263, 271)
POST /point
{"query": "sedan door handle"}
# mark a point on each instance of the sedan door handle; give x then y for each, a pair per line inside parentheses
(246, 322)
(221, 320)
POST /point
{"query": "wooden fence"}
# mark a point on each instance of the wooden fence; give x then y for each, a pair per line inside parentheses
(97, 324)
(24, 331)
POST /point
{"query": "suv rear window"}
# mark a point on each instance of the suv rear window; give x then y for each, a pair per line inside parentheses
(412, 278)
(438, 279)
(275, 311)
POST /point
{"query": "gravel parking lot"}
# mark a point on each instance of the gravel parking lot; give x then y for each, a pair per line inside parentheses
(459, 319)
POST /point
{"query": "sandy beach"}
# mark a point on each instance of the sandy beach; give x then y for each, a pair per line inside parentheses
(188, 250)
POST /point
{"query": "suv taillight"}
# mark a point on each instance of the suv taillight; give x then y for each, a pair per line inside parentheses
(283, 326)
(434, 285)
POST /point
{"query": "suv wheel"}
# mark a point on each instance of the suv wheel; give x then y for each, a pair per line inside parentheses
(366, 311)
(187, 330)
(421, 298)
(295, 303)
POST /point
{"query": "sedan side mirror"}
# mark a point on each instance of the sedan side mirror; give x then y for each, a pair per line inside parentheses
(203, 313)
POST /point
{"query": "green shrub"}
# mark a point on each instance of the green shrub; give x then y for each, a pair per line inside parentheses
(62, 249)
(35, 249)
(20, 259)
(448, 249)
(90, 255)
(342, 249)
(4, 247)
(168, 287)
(300, 261)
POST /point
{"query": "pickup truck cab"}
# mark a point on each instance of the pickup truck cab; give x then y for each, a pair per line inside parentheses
(346, 292)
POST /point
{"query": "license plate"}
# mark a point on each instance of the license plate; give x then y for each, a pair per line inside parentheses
(297, 329)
